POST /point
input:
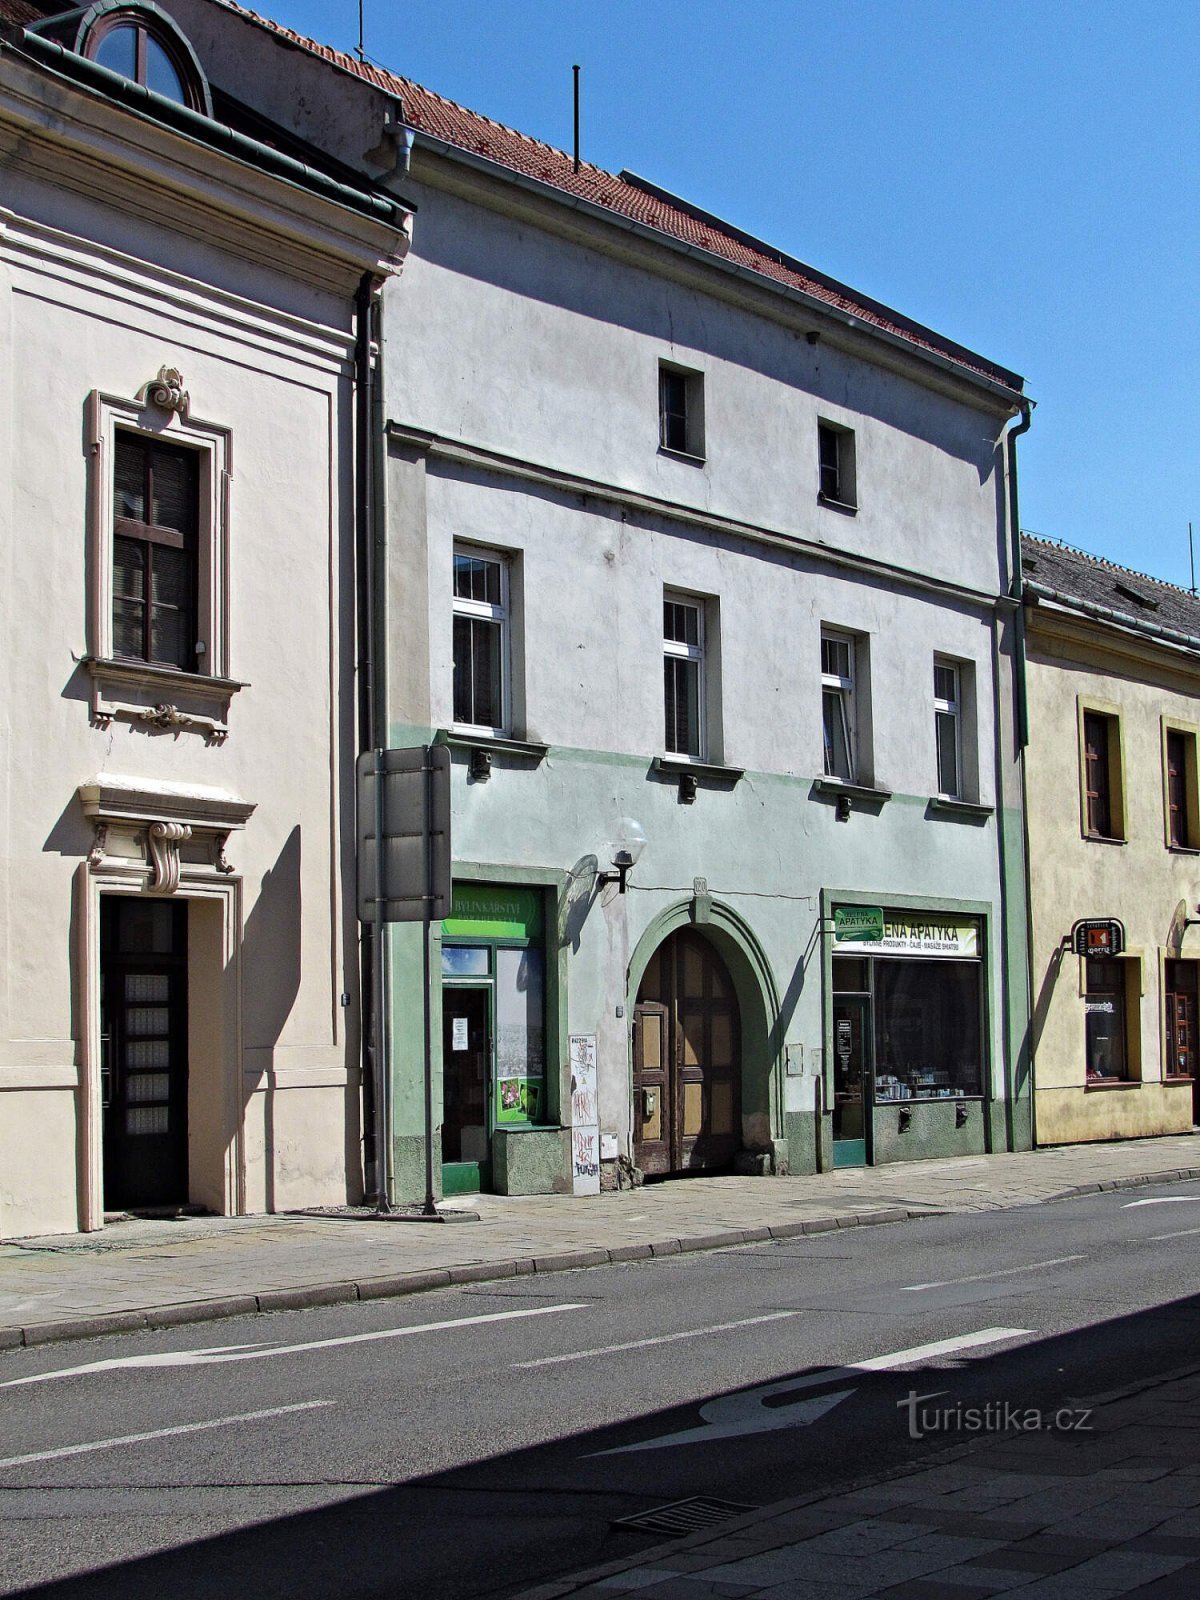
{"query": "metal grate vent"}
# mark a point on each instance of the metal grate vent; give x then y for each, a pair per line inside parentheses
(684, 1516)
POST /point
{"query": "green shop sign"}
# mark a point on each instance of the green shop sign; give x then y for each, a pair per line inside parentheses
(493, 911)
(858, 924)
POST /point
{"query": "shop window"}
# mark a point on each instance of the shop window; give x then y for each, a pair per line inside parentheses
(1179, 983)
(838, 705)
(1111, 995)
(1180, 788)
(1102, 786)
(928, 1030)
(681, 411)
(482, 642)
(683, 668)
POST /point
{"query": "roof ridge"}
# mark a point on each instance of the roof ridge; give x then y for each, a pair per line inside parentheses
(1105, 561)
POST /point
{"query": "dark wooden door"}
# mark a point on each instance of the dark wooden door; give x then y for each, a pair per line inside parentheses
(687, 1060)
(1181, 1020)
(143, 1051)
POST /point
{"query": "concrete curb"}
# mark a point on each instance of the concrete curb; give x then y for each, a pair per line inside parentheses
(394, 1286)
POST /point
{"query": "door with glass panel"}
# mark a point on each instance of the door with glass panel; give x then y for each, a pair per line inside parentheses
(687, 1060)
(143, 1051)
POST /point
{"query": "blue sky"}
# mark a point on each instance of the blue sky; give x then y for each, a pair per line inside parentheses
(1020, 176)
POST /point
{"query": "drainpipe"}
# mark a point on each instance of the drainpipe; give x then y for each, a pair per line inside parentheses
(1018, 1051)
(372, 716)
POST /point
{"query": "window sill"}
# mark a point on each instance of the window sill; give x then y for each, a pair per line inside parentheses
(1178, 1077)
(138, 691)
(681, 455)
(675, 766)
(854, 791)
(1102, 838)
(497, 744)
(1111, 1083)
(848, 508)
(959, 808)
(1183, 850)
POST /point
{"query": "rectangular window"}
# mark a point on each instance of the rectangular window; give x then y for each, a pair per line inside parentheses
(481, 642)
(1180, 788)
(681, 411)
(837, 705)
(683, 667)
(155, 517)
(835, 452)
(1179, 979)
(1102, 811)
(1105, 1022)
(947, 725)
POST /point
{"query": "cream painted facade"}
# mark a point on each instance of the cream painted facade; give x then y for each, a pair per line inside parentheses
(158, 287)
(1077, 664)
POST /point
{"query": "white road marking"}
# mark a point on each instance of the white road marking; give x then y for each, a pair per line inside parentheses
(735, 1415)
(240, 1352)
(1182, 1233)
(982, 1277)
(159, 1433)
(1163, 1200)
(662, 1338)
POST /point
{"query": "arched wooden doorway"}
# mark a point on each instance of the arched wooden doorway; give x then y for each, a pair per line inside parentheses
(687, 1063)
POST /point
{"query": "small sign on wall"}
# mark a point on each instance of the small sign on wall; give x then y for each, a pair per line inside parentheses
(585, 1114)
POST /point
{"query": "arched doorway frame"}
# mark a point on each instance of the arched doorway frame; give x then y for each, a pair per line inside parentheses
(758, 1001)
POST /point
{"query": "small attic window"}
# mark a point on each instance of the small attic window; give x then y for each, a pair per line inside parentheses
(1138, 598)
(144, 45)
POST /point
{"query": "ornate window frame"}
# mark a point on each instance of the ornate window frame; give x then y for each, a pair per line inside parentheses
(158, 696)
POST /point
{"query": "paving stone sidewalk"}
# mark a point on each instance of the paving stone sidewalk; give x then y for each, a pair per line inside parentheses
(139, 1273)
(1114, 1510)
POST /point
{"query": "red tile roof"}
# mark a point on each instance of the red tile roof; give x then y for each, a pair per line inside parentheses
(431, 113)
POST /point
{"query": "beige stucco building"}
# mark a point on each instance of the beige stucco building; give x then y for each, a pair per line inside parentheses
(1113, 680)
(177, 515)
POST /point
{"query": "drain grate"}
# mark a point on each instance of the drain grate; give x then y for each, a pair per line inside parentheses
(684, 1516)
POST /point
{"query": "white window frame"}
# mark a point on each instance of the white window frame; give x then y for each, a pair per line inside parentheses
(693, 416)
(673, 650)
(952, 708)
(844, 686)
(846, 498)
(501, 615)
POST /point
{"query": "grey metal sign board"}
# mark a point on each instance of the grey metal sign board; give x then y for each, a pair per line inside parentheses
(404, 797)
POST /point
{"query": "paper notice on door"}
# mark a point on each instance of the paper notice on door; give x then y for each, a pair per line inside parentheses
(459, 1039)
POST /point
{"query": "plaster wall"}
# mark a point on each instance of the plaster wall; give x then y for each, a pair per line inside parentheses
(1139, 880)
(75, 317)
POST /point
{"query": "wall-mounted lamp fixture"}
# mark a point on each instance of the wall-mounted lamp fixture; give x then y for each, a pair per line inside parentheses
(481, 765)
(624, 852)
(843, 808)
(687, 788)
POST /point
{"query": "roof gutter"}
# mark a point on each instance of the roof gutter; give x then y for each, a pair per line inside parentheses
(1116, 619)
(1010, 397)
(78, 69)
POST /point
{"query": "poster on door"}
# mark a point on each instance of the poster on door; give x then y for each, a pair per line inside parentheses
(585, 1114)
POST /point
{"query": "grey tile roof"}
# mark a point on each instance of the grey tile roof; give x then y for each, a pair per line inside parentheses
(1073, 575)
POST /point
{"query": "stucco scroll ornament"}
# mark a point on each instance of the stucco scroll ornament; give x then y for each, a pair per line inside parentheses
(166, 392)
(165, 715)
(99, 845)
(164, 839)
(220, 860)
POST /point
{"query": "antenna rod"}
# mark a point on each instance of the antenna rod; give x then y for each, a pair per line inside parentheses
(575, 71)
(361, 52)
(1192, 554)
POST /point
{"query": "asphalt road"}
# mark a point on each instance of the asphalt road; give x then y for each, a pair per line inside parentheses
(475, 1441)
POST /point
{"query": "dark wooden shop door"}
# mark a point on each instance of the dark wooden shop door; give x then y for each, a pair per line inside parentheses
(687, 1060)
(143, 1051)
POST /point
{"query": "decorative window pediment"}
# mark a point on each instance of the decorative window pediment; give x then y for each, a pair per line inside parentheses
(157, 823)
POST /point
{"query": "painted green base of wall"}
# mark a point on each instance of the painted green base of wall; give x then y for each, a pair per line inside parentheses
(801, 1133)
(408, 1171)
(531, 1161)
(930, 1134)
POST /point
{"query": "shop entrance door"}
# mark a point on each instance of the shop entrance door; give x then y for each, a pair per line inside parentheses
(466, 1089)
(143, 1051)
(1181, 1021)
(687, 1060)
(851, 1079)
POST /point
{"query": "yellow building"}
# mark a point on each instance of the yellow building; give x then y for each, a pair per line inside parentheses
(1113, 827)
